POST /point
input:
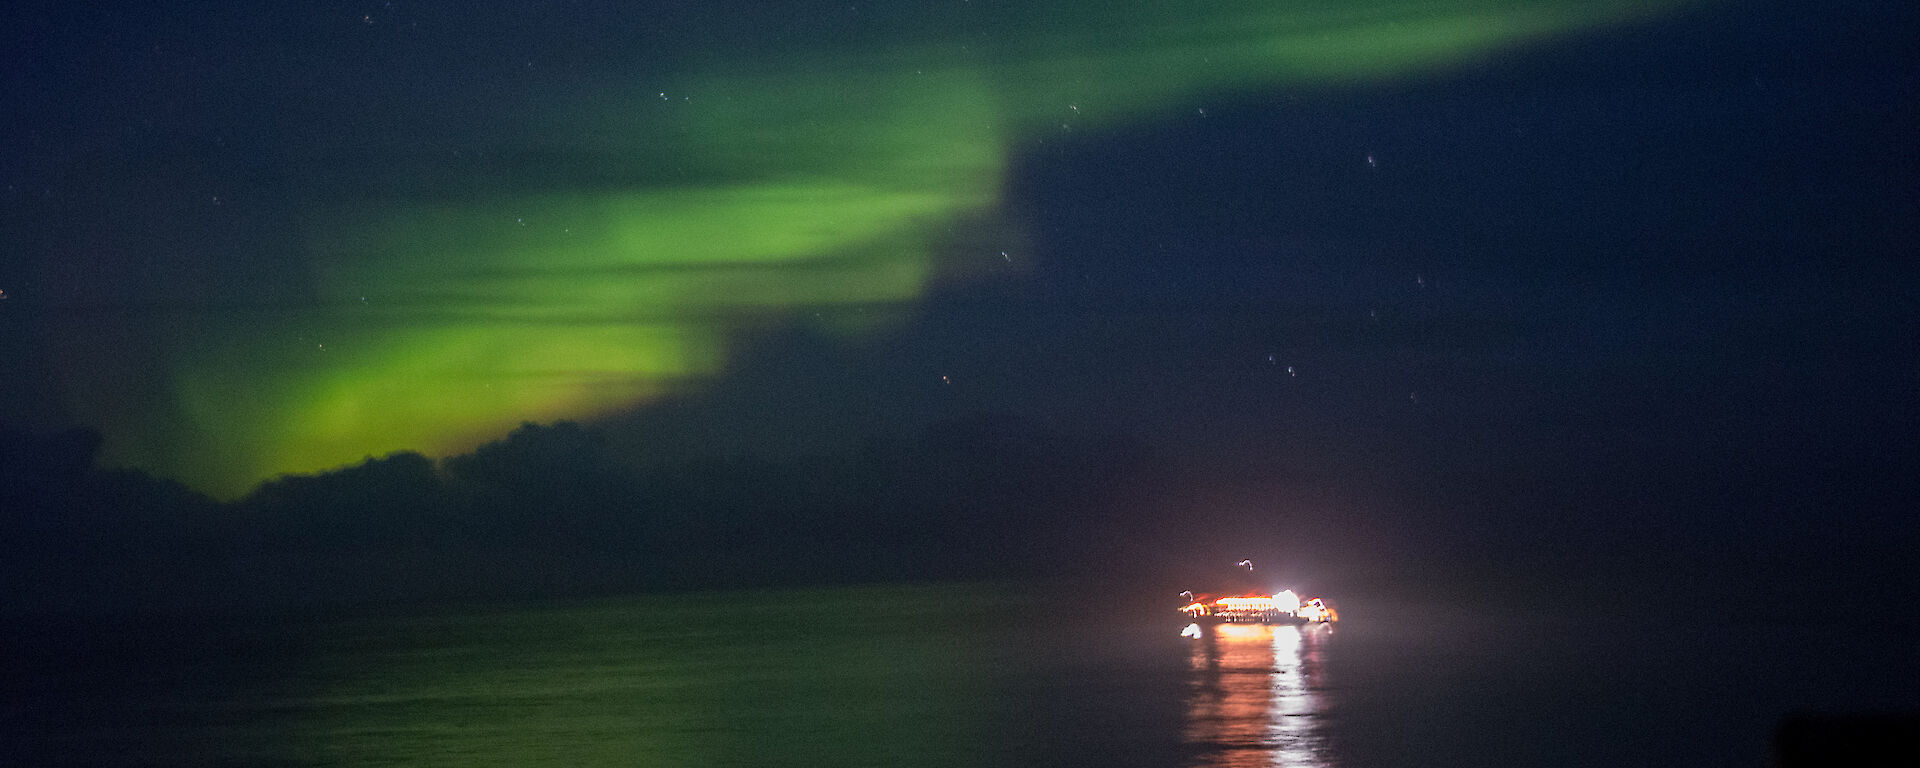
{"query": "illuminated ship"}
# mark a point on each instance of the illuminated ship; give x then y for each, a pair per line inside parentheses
(1252, 607)
(1283, 608)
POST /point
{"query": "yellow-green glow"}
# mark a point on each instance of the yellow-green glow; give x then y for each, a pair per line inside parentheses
(405, 396)
(762, 188)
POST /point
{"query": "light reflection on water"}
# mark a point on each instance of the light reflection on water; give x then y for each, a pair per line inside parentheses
(926, 675)
(1255, 696)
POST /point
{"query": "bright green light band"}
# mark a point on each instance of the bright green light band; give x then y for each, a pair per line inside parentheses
(826, 175)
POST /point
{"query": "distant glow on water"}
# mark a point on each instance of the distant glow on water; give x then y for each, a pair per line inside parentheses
(1254, 696)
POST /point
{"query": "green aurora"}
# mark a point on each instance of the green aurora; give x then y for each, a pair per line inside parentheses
(709, 195)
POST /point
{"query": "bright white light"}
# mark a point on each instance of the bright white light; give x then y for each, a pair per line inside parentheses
(1314, 610)
(1286, 601)
(1192, 630)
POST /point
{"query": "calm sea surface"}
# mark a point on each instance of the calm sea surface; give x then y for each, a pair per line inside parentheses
(961, 676)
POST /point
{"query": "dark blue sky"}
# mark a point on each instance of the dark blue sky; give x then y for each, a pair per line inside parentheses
(1636, 298)
(1640, 304)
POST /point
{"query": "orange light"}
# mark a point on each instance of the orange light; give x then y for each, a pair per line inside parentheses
(1246, 603)
(1239, 631)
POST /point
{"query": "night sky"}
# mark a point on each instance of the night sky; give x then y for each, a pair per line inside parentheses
(1610, 288)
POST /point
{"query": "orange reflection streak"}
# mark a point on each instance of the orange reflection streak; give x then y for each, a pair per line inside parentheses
(1253, 696)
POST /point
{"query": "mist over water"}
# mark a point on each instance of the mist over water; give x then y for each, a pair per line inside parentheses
(969, 675)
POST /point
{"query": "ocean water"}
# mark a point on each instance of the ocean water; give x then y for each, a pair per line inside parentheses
(927, 675)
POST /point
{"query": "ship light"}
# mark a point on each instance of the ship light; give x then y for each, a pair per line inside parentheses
(1245, 603)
